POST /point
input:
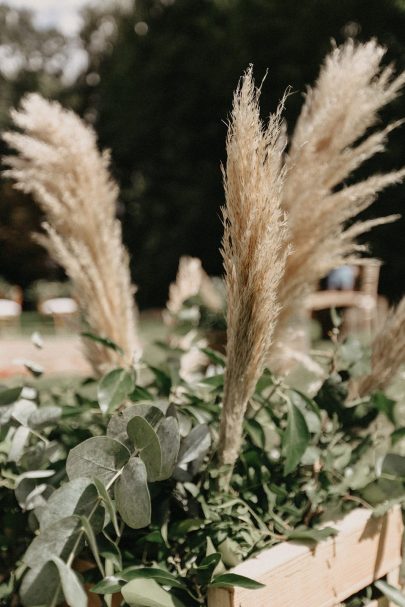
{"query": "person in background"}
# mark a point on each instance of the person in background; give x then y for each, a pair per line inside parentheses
(342, 279)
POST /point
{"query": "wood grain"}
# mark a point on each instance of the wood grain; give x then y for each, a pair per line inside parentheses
(298, 575)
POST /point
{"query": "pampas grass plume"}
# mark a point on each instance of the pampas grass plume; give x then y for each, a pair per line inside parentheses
(254, 252)
(58, 163)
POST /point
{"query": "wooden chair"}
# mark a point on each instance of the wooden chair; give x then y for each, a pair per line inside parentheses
(364, 308)
(63, 310)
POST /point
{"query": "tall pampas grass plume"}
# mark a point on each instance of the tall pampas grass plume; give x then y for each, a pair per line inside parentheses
(187, 284)
(331, 140)
(387, 354)
(58, 163)
(254, 253)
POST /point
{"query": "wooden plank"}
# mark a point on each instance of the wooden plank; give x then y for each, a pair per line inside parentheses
(296, 574)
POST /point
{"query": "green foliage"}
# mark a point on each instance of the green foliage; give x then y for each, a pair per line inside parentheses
(172, 192)
(139, 494)
(148, 593)
(101, 457)
(113, 389)
(295, 439)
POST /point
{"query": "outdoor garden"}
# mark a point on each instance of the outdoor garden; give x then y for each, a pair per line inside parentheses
(233, 435)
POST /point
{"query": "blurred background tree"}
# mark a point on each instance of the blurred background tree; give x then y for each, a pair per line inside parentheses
(157, 87)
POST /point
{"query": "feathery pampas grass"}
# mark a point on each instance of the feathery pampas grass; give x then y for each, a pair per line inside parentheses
(387, 354)
(328, 144)
(59, 164)
(187, 284)
(254, 252)
(191, 280)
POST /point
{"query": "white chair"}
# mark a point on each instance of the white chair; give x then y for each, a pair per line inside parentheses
(10, 312)
(62, 309)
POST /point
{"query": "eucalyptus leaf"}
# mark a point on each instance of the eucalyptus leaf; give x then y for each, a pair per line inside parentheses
(295, 439)
(40, 585)
(73, 591)
(114, 388)
(91, 539)
(117, 426)
(143, 592)
(99, 456)
(56, 540)
(169, 439)
(132, 494)
(105, 496)
(146, 441)
(195, 444)
(78, 496)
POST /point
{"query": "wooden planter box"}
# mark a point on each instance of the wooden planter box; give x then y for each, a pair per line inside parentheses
(298, 575)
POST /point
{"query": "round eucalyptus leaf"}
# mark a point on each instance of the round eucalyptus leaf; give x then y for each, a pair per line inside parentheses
(117, 426)
(40, 585)
(195, 445)
(78, 496)
(146, 441)
(114, 388)
(56, 540)
(132, 494)
(99, 456)
(169, 438)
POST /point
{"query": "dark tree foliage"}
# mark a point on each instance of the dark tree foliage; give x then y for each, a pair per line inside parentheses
(32, 60)
(163, 100)
(158, 89)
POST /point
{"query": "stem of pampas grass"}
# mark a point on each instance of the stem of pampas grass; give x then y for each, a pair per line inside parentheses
(254, 253)
(59, 164)
(328, 144)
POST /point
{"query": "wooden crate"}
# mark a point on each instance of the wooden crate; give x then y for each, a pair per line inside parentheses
(298, 575)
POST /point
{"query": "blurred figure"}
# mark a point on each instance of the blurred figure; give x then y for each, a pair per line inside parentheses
(342, 279)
